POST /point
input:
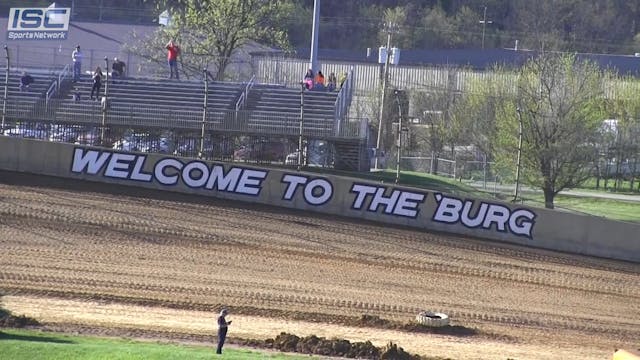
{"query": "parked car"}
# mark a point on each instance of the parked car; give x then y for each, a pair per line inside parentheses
(144, 142)
(89, 137)
(28, 130)
(190, 147)
(65, 133)
(317, 154)
(262, 151)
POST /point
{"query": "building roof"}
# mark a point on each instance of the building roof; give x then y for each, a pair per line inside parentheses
(478, 59)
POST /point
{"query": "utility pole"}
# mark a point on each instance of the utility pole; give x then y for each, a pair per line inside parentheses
(6, 88)
(484, 23)
(519, 159)
(390, 27)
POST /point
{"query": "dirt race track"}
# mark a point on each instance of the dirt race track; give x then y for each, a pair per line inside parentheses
(92, 256)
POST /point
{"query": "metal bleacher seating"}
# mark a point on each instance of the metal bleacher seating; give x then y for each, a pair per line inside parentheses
(275, 109)
(25, 105)
(150, 103)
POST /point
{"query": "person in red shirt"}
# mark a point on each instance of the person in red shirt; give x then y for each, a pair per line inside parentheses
(173, 51)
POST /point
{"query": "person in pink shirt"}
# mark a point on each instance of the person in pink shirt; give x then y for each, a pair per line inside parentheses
(173, 51)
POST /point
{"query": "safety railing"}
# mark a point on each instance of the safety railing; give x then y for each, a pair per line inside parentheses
(63, 75)
(218, 120)
(245, 93)
(343, 100)
(51, 91)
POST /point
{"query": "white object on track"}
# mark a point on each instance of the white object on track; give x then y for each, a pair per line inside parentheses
(432, 319)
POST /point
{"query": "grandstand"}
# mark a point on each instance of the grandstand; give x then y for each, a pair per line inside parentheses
(174, 112)
(276, 109)
(24, 105)
(149, 103)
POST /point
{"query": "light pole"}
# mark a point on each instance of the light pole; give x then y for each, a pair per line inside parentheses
(519, 159)
(484, 23)
(390, 29)
(301, 126)
(313, 61)
(204, 112)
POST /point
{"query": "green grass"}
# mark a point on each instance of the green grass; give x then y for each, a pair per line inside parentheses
(625, 187)
(409, 178)
(34, 345)
(611, 209)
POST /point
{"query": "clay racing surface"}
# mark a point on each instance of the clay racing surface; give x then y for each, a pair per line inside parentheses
(98, 258)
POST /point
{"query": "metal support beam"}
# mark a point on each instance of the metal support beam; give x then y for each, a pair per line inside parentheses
(105, 101)
(204, 111)
(385, 79)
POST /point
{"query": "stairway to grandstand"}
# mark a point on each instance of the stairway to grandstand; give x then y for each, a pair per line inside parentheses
(276, 110)
(151, 103)
(24, 105)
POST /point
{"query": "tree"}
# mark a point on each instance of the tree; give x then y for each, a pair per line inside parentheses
(623, 133)
(211, 31)
(437, 30)
(435, 108)
(561, 103)
(474, 117)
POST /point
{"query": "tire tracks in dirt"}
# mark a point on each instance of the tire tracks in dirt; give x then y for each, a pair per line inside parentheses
(177, 253)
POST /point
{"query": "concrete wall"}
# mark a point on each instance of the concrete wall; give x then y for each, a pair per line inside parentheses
(354, 198)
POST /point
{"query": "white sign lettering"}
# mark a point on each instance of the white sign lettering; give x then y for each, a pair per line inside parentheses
(168, 171)
(316, 192)
(399, 202)
(452, 211)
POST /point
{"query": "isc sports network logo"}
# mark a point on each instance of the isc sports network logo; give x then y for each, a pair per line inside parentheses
(38, 23)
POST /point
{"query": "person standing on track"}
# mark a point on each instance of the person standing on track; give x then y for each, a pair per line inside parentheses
(223, 325)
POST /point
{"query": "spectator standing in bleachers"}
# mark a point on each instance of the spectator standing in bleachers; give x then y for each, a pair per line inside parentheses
(25, 81)
(76, 56)
(117, 69)
(343, 78)
(76, 94)
(308, 79)
(173, 51)
(320, 80)
(331, 84)
(97, 83)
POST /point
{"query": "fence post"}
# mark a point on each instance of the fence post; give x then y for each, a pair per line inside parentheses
(432, 162)
(301, 126)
